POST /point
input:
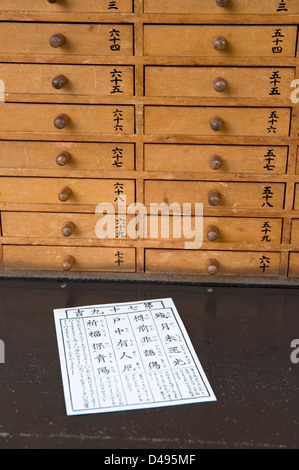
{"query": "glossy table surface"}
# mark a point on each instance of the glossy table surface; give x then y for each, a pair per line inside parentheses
(242, 336)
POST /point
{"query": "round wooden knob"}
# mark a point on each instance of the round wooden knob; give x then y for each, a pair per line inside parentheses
(221, 3)
(63, 158)
(219, 43)
(215, 162)
(214, 198)
(52, 1)
(219, 84)
(61, 121)
(212, 233)
(65, 194)
(57, 40)
(59, 82)
(212, 266)
(68, 262)
(216, 123)
(68, 229)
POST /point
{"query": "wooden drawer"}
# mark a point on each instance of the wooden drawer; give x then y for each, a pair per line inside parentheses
(295, 232)
(219, 82)
(64, 258)
(227, 263)
(79, 39)
(265, 196)
(215, 159)
(93, 119)
(294, 264)
(81, 191)
(83, 80)
(238, 7)
(83, 226)
(68, 156)
(217, 121)
(90, 6)
(215, 229)
(220, 40)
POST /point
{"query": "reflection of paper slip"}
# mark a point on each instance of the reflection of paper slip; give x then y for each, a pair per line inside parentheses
(127, 356)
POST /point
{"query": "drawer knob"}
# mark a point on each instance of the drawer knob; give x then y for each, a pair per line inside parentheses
(61, 121)
(52, 1)
(219, 43)
(214, 198)
(215, 162)
(63, 158)
(212, 266)
(219, 84)
(216, 123)
(65, 194)
(212, 233)
(59, 82)
(57, 40)
(221, 3)
(68, 229)
(68, 262)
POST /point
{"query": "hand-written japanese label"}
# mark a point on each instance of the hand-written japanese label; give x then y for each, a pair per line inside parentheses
(114, 39)
(117, 157)
(117, 120)
(267, 196)
(272, 122)
(266, 230)
(127, 356)
(270, 157)
(264, 263)
(116, 81)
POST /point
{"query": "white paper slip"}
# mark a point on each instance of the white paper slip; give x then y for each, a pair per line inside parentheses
(127, 356)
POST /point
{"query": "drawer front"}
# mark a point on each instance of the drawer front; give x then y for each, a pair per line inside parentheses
(67, 156)
(64, 80)
(218, 263)
(74, 39)
(219, 82)
(69, 258)
(238, 7)
(215, 194)
(90, 6)
(97, 119)
(70, 226)
(295, 232)
(220, 41)
(296, 199)
(297, 166)
(217, 121)
(215, 159)
(214, 229)
(65, 191)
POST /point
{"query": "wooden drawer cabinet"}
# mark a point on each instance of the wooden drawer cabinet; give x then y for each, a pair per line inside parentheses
(65, 191)
(60, 6)
(220, 41)
(66, 119)
(63, 258)
(67, 156)
(213, 194)
(209, 121)
(219, 82)
(215, 159)
(66, 40)
(220, 263)
(214, 7)
(60, 81)
(120, 120)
